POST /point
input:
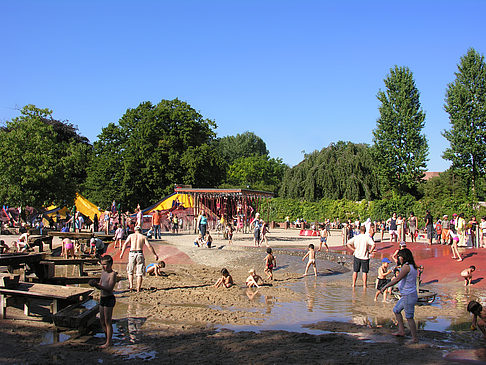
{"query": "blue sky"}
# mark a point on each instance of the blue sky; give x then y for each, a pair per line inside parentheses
(299, 74)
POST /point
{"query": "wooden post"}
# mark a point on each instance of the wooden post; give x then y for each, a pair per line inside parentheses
(3, 306)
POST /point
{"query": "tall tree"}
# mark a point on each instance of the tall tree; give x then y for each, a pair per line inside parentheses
(152, 148)
(246, 144)
(400, 147)
(341, 170)
(42, 160)
(466, 104)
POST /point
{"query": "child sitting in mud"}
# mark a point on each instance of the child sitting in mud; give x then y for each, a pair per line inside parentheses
(477, 310)
(270, 264)
(225, 280)
(252, 280)
(199, 241)
(208, 240)
(312, 260)
(155, 269)
(383, 272)
(467, 275)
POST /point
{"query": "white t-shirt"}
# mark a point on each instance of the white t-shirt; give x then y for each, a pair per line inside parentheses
(362, 244)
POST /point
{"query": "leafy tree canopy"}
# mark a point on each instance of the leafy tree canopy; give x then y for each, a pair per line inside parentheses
(247, 144)
(400, 147)
(257, 173)
(466, 105)
(342, 170)
(42, 160)
(152, 148)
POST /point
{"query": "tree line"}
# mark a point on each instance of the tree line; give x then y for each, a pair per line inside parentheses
(138, 160)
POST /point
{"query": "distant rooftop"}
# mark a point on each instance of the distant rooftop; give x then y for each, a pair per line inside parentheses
(430, 174)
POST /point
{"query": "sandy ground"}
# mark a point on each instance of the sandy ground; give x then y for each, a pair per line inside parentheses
(178, 317)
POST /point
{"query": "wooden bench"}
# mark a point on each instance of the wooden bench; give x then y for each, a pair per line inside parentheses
(56, 294)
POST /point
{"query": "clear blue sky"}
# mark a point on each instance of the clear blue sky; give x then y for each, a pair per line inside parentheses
(300, 74)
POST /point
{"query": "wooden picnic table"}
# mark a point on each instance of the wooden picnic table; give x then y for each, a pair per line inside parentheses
(27, 292)
(76, 261)
(16, 260)
(80, 235)
(40, 240)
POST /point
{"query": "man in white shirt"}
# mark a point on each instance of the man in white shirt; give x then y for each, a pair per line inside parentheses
(361, 246)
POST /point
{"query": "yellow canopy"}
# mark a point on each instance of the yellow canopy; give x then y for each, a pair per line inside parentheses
(185, 200)
(83, 205)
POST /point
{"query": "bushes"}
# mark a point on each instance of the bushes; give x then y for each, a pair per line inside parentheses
(277, 209)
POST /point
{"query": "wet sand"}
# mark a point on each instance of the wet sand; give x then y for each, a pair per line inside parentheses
(180, 318)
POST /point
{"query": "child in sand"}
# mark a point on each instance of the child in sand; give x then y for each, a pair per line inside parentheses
(3, 247)
(477, 310)
(199, 241)
(383, 272)
(270, 264)
(253, 279)
(155, 269)
(107, 299)
(225, 280)
(467, 274)
(67, 248)
(312, 259)
(323, 239)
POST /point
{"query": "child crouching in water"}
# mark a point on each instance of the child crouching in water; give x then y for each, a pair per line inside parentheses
(477, 310)
(467, 274)
(312, 259)
(155, 269)
(253, 279)
(383, 272)
(225, 280)
(107, 299)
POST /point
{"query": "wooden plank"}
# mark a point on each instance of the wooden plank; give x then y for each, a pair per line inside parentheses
(15, 260)
(81, 235)
(76, 261)
(46, 291)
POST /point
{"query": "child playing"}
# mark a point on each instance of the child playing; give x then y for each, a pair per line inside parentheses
(225, 280)
(199, 241)
(477, 310)
(323, 239)
(155, 269)
(229, 233)
(253, 279)
(383, 272)
(312, 259)
(3, 247)
(67, 248)
(208, 239)
(107, 299)
(270, 264)
(265, 231)
(118, 236)
(482, 231)
(467, 274)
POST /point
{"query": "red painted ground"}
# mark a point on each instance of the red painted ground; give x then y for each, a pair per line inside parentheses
(170, 254)
(438, 265)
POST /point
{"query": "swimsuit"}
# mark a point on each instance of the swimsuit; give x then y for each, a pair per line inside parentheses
(108, 301)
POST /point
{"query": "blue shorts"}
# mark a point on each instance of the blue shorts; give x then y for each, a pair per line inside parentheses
(323, 239)
(406, 302)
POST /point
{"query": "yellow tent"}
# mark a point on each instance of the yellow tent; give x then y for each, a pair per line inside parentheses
(185, 200)
(83, 205)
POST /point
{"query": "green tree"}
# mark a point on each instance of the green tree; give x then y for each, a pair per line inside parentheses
(466, 104)
(400, 146)
(152, 148)
(246, 144)
(256, 172)
(341, 170)
(42, 160)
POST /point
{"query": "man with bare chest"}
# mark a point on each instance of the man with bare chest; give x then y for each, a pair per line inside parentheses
(136, 260)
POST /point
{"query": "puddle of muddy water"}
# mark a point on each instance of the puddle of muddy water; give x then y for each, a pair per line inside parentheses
(53, 336)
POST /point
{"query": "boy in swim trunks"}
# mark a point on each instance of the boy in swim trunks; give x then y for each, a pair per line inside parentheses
(270, 264)
(323, 239)
(107, 299)
(383, 272)
(312, 259)
(477, 310)
(467, 274)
